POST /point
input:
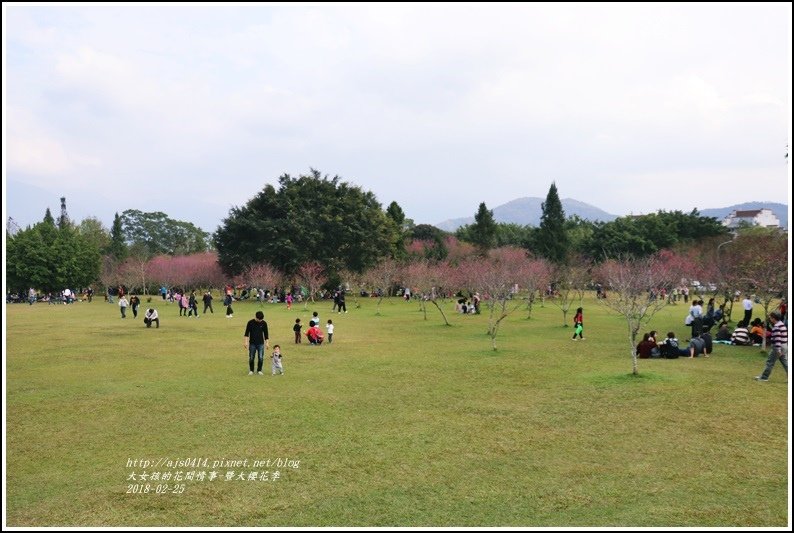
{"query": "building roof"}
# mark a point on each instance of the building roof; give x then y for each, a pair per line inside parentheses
(748, 214)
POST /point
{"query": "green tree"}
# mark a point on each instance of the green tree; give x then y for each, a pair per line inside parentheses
(507, 234)
(310, 218)
(50, 258)
(118, 247)
(644, 235)
(27, 264)
(516, 235)
(48, 217)
(579, 232)
(402, 228)
(551, 240)
(483, 231)
(92, 229)
(76, 259)
(395, 212)
(158, 234)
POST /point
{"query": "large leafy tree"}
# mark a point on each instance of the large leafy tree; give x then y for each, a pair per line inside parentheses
(156, 233)
(644, 235)
(310, 218)
(50, 258)
(551, 240)
(580, 233)
(95, 232)
(506, 234)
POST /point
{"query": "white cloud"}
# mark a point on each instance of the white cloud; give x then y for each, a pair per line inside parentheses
(36, 152)
(417, 103)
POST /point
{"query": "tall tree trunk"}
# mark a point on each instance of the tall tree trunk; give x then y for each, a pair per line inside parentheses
(766, 314)
(529, 306)
(632, 341)
(492, 307)
(446, 322)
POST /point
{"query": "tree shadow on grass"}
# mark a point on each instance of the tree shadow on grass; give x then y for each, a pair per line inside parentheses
(614, 380)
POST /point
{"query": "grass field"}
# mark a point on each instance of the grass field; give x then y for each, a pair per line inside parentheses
(399, 422)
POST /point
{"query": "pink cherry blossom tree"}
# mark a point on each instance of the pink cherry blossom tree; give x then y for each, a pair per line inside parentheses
(109, 273)
(427, 278)
(133, 273)
(261, 275)
(535, 277)
(206, 272)
(498, 276)
(631, 284)
(382, 276)
(161, 270)
(569, 283)
(312, 276)
(759, 266)
(458, 250)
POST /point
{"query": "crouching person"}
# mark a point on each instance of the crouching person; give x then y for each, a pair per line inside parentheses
(151, 316)
(314, 335)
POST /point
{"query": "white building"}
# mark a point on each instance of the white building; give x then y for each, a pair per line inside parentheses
(754, 217)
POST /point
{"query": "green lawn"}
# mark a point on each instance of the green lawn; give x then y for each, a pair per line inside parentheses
(399, 422)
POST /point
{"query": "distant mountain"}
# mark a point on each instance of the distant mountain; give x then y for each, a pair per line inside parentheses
(527, 211)
(780, 210)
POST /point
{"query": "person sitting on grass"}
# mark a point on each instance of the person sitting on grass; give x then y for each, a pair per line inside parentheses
(757, 331)
(723, 334)
(741, 337)
(646, 348)
(706, 336)
(670, 349)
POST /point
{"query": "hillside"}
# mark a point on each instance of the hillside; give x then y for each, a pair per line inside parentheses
(526, 211)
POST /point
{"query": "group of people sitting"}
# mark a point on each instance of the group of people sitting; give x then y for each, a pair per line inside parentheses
(649, 348)
(703, 343)
(742, 336)
(464, 306)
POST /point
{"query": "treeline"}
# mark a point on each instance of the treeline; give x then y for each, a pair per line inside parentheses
(558, 236)
(51, 257)
(333, 224)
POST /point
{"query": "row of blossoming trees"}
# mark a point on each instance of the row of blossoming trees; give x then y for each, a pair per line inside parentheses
(507, 278)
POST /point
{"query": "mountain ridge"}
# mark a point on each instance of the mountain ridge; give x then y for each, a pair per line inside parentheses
(528, 210)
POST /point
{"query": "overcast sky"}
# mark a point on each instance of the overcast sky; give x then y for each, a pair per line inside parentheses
(190, 110)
